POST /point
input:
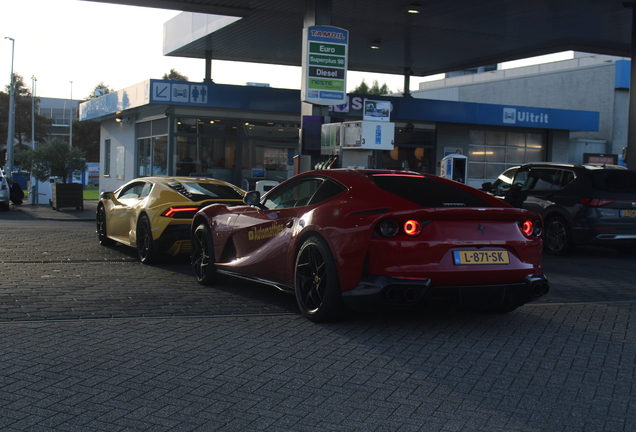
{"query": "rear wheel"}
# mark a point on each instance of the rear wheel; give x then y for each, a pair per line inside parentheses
(203, 255)
(100, 220)
(558, 240)
(145, 244)
(317, 287)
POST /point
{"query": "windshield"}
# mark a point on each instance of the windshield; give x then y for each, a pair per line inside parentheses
(427, 192)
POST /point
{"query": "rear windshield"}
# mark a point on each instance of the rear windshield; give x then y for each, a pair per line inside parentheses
(204, 191)
(610, 180)
(427, 192)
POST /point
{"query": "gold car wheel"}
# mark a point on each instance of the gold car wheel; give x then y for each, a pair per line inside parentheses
(100, 220)
(145, 243)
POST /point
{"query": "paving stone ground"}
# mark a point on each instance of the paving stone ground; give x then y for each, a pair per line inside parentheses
(91, 340)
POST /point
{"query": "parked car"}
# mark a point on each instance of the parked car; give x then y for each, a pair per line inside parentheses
(580, 204)
(5, 192)
(153, 214)
(359, 239)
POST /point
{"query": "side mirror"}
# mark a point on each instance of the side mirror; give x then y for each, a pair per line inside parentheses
(252, 198)
(105, 195)
(486, 186)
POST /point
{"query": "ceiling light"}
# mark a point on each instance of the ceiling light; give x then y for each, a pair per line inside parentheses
(375, 44)
(414, 8)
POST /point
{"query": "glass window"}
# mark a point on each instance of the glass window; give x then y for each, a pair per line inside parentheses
(542, 178)
(201, 191)
(610, 180)
(107, 157)
(427, 192)
(477, 137)
(132, 191)
(495, 138)
(516, 139)
(296, 194)
(477, 154)
(516, 155)
(503, 149)
(495, 154)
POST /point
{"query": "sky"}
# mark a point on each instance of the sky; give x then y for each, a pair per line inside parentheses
(70, 46)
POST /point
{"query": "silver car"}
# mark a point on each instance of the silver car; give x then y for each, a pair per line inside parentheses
(4, 192)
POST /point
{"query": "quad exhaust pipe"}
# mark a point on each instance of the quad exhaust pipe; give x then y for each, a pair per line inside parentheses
(402, 294)
(539, 287)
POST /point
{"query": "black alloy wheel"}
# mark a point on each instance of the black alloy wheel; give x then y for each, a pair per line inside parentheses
(145, 243)
(202, 257)
(317, 287)
(557, 240)
(100, 220)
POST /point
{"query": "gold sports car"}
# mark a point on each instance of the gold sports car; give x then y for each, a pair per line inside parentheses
(154, 214)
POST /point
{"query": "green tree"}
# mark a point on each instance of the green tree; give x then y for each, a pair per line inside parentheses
(86, 133)
(175, 76)
(375, 89)
(23, 115)
(100, 89)
(56, 158)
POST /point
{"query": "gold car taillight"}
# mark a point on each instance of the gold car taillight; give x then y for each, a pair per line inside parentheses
(180, 212)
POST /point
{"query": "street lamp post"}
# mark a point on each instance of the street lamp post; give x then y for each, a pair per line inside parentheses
(33, 193)
(70, 134)
(11, 132)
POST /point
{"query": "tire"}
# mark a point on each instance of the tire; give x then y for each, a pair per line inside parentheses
(145, 244)
(558, 239)
(317, 287)
(100, 220)
(202, 257)
(4, 206)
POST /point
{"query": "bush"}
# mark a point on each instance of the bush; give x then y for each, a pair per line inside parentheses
(56, 158)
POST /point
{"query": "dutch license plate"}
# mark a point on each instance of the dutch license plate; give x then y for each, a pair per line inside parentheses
(628, 213)
(481, 257)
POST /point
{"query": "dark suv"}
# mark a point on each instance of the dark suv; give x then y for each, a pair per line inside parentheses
(580, 204)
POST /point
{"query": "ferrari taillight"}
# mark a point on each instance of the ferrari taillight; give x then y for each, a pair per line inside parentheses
(531, 228)
(412, 227)
(180, 212)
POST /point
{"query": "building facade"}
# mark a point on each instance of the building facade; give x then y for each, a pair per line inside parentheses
(241, 134)
(586, 82)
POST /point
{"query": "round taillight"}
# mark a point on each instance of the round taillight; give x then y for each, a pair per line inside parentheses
(389, 228)
(538, 228)
(412, 227)
(527, 227)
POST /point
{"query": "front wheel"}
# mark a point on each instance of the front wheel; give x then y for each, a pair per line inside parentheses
(100, 220)
(558, 240)
(202, 257)
(145, 244)
(317, 287)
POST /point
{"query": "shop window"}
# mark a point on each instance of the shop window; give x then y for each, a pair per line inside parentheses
(492, 152)
(106, 157)
(152, 156)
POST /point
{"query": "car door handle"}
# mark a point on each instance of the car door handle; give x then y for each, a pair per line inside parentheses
(289, 224)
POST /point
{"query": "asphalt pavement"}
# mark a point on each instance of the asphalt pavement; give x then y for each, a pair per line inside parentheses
(92, 340)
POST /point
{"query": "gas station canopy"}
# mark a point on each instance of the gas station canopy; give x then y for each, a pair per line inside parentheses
(419, 37)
